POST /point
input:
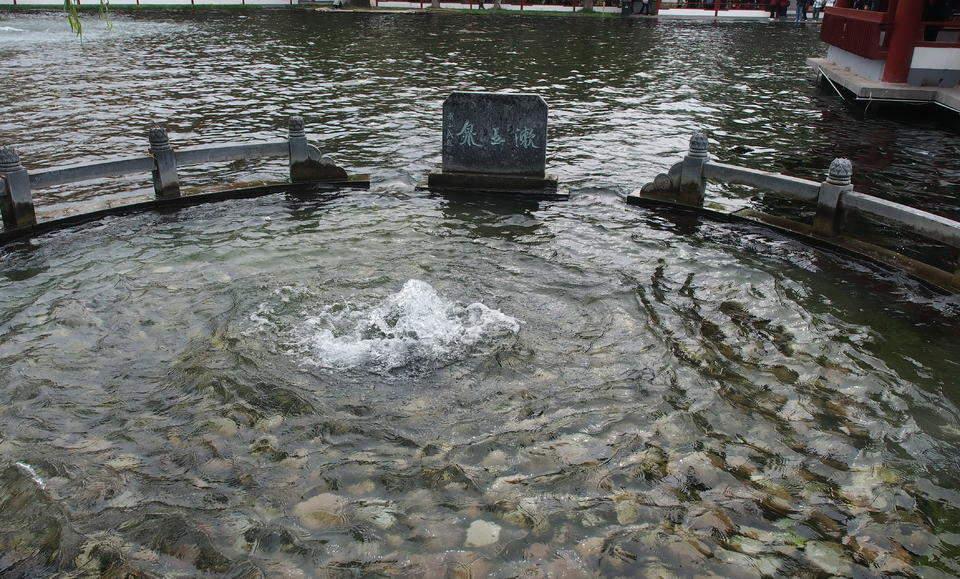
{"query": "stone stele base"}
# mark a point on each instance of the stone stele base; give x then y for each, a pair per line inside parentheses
(486, 183)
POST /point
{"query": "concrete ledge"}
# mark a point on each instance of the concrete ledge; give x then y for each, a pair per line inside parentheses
(949, 98)
(866, 89)
(930, 276)
(485, 183)
(294, 189)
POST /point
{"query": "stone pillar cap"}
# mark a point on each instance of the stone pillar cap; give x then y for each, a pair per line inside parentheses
(699, 146)
(158, 138)
(840, 172)
(295, 126)
(9, 160)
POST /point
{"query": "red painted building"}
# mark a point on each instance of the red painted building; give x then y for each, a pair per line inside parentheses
(912, 42)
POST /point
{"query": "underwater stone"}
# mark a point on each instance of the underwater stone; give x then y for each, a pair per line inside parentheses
(703, 467)
(225, 426)
(794, 410)
(537, 551)
(482, 533)
(33, 526)
(177, 536)
(124, 462)
(269, 422)
(709, 521)
(579, 450)
(267, 445)
(322, 511)
(590, 547)
(434, 533)
(628, 512)
(827, 556)
(380, 513)
(650, 464)
(362, 488)
(495, 458)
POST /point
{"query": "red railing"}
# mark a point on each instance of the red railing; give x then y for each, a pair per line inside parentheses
(862, 32)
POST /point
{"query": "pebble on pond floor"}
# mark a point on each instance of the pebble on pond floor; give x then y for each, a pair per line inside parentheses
(482, 534)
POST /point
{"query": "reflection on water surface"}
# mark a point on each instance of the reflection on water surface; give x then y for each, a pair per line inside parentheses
(624, 97)
(391, 382)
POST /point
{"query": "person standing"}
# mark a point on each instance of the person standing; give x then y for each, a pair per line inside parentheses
(801, 10)
(818, 6)
(774, 7)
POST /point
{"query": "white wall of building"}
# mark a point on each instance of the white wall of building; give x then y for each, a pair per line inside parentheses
(868, 69)
(947, 58)
(725, 14)
(935, 66)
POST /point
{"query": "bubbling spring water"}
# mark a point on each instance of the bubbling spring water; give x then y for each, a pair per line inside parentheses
(234, 392)
(414, 328)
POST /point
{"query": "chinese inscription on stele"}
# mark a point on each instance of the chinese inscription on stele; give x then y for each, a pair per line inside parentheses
(495, 133)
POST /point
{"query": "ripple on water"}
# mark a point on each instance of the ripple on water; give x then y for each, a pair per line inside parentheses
(219, 391)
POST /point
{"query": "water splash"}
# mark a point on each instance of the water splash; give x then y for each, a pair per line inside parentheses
(414, 328)
(32, 474)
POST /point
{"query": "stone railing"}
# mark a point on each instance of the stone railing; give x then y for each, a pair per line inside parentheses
(307, 165)
(685, 183)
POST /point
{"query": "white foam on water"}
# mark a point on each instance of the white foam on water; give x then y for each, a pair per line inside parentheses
(11, 29)
(32, 474)
(414, 328)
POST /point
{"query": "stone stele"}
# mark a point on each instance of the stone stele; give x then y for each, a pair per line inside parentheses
(503, 134)
(494, 142)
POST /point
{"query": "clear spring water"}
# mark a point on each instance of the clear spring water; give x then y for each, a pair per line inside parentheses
(389, 382)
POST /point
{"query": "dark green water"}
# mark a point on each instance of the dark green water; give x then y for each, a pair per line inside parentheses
(389, 382)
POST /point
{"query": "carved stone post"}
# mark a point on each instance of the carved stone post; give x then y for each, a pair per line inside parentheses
(307, 165)
(684, 182)
(831, 196)
(16, 202)
(166, 182)
(692, 185)
(299, 155)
